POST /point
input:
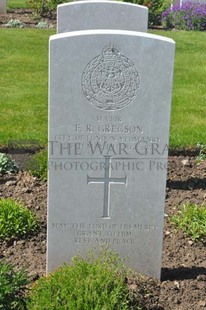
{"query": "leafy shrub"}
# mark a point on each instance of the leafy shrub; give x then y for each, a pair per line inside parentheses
(202, 152)
(43, 7)
(38, 165)
(188, 16)
(95, 284)
(42, 25)
(12, 287)
(14, 23)
(192, 220)
(7, 164)
(156, 7)
(16, 221)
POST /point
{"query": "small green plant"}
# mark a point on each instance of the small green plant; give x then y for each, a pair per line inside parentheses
(13, 286)
(202, 152)
(192, 220)
(92, 283)
(16, 221)
(42, 25)
(14, 23)
(7, 164)
(38, 165)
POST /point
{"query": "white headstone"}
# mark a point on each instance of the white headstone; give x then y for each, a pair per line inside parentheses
(109, 115)
(2, 6)
(89, 15)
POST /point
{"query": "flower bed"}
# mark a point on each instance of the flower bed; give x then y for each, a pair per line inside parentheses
(188, 16)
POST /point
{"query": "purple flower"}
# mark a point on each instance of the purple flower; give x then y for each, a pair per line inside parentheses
(188, 16)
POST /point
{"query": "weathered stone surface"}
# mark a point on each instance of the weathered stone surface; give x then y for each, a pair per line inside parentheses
(2, 6)
(109, 115)
(91, 15)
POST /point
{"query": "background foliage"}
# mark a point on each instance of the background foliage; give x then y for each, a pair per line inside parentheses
(156, 7)
(43, 7)
(188, 16)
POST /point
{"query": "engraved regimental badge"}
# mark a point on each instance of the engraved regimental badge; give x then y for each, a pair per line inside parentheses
(110, 81)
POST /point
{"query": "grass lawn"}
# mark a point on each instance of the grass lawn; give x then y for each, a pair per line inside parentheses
(23, 84)
(24, 78)
(188, 122)
(17, 4)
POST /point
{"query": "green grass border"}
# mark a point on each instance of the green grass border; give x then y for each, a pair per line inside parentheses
(24, 86)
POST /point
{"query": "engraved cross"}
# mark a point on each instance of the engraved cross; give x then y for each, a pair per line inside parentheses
(106, 180)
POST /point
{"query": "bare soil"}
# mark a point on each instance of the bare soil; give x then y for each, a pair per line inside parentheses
(183, 282)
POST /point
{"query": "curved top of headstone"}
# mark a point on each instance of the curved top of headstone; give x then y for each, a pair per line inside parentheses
(98, 14)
